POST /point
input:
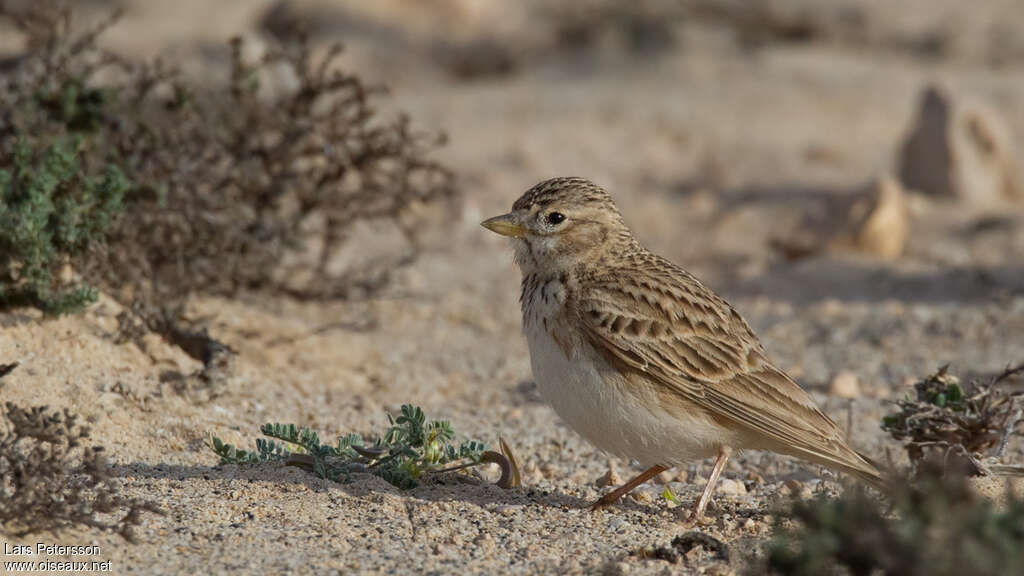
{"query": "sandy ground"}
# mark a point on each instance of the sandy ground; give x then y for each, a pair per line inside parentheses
(711, 151)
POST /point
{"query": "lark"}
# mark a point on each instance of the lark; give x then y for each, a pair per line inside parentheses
(641, 358)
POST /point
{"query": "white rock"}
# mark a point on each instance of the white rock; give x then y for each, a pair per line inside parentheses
(608, 479)
(731, 487)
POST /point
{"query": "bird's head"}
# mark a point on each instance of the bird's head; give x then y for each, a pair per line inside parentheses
(560, 223)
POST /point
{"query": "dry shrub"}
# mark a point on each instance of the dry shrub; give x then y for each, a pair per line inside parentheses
(935, 526)
(50, 481)
(933, 521)
(229, 184)
(948, 423)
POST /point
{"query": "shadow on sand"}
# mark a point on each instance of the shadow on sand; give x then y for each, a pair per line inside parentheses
(447, 487)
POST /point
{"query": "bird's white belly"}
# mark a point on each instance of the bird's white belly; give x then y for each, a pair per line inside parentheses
(615, 415)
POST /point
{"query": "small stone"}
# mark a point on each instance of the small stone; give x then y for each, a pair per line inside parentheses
(873, 219)
(797, 489)
(641, 496)
(877, 221)
(731, 487)
(531, 473)
(547, 470)
(845, 385)
(506, 510)
(609, 478)
(704, 203)
(618, 525)
(791, 487)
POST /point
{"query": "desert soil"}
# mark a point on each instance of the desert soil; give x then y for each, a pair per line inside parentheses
(711, 149)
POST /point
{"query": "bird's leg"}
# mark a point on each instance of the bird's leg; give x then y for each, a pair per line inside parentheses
(709, 489)
(611, 497)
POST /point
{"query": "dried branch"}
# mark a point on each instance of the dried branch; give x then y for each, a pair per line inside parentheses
(947, 422)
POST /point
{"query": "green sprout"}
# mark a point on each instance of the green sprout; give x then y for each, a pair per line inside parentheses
(670, 496)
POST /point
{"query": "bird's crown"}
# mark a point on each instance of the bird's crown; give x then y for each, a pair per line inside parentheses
(572, 190)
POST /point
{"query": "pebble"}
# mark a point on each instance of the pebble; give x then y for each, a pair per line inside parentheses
(731, 487)
(609, 478)
(619, 525)
(505, 510)
(641, 496)
(796, 488)
(845, 384)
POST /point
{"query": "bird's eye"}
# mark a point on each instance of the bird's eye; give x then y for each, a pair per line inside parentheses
(556, 218)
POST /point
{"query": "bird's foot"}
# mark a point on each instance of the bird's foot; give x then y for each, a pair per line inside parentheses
(690, 520)
(696, 519)
(604, 501)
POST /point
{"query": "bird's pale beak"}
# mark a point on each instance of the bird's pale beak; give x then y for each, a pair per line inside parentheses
(506, 225)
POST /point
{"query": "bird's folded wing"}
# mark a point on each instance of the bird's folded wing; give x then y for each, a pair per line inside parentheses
(692, 342)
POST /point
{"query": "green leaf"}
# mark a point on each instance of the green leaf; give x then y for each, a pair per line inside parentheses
(411, 447)
(668, 495)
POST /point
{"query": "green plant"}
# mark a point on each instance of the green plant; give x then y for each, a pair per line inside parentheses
(949, 422)
(51, 211)
(252, 185)
(934, 523)
(409, 449)
(938, 527)
(50, 481)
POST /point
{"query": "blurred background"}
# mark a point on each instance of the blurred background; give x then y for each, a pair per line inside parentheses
(725, 129)
(847, 173)
(856, 152)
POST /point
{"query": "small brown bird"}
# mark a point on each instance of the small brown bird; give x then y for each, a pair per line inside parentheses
(642, 359)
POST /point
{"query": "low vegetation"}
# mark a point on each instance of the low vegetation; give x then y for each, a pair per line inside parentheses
(152, 187)
(967, 425)
(931, 521)
(53, 210)
(935, 526)
(411, 448)
(51, 480)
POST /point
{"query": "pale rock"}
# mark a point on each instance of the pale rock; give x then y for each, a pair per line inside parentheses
(796, 488)
(872, 220)
(731, 487)
(845, 385)
(608, 479)
(641, 496)
(877, 221)
(959, 150)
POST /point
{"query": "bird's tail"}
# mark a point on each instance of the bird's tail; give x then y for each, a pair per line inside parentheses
(857, 465)
(842, 458)
(868, 471)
